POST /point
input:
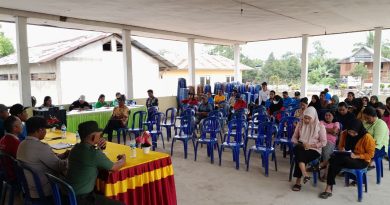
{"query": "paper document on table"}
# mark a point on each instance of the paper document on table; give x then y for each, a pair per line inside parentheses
(60, 145)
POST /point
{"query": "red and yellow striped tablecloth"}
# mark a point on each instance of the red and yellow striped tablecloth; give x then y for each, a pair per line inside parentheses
(146, 179)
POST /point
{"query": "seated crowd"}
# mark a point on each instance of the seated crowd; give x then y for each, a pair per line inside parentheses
(358, 125)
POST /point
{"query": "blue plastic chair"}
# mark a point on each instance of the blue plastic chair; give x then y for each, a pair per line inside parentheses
(379, 168)
(264, 146)
(170, 114)
(151, 111)
(313, 163)
(361, 178)
(186, 112)
(22, 169)
(137, 125)
(8, 166)
(211, 126)
(285, 132)
(186, 133)
(219, 115)
(156, 120)
(237, 143)
(122, 131)
(56, 183)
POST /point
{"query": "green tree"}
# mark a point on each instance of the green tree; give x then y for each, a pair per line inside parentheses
(360, 71)
(6, 46)
(370, 38)
(322, 70)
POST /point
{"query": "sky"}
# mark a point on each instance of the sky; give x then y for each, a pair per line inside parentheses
(339, 46)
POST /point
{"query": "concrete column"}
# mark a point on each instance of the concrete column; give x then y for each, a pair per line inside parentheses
(127, 64)
(304, 65)
(376, 72)
(23, 61)
(113, 45)
(191, 62)
(237, 73)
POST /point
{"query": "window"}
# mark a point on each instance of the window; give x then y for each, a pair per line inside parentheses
(107, 46)
(119, 47)
(4, 77)
(229, 79)
(205, 80)
(43, 76)
(13, 76)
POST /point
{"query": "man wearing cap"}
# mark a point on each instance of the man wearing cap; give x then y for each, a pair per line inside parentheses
(80, 104)
(151, 101)
(3, 116)
(19, 111)
(85, 159)
(40, 156)
(263, 94)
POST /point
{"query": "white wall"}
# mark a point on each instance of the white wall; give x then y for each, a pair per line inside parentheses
(92, 71)
(9, 89)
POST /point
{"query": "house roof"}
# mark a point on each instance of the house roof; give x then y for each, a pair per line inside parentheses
(50, 51)
(363, 54)
(207, 62)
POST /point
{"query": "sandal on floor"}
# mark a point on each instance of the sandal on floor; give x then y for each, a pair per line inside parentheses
(370, 167)
(306, 179)
(325, 195)
(353, 183)
(296, 187)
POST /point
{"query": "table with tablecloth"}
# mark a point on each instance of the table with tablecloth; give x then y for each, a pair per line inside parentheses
(101, 116)
(145, 179)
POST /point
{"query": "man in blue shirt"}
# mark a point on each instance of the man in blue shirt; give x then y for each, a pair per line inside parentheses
(286, 99)
(19, 111)
(270, 99)
(3, 115)
(328, 96)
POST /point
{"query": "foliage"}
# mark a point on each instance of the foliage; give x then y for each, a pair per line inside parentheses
(322, 70)
(360, 71)
(382, 86)
(370, 38)
(6, 47)
(287, 70)
(343, 86)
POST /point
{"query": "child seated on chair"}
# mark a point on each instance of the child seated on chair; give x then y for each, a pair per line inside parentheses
(361, 146)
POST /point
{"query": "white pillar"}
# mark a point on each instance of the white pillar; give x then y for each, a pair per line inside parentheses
(23, 61)
(304, 65)
(237, 73)
(376, 72)
(127, 64)
(113, 44)
(191, 62)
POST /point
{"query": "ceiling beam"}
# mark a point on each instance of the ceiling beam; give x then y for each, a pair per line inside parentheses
(43, 19)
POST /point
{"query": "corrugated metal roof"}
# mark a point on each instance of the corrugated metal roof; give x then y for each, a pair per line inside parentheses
(363, 54)
(207, 62)
(46, 52)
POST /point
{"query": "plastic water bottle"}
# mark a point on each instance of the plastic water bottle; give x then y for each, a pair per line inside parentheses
(78, 140)
(133, 153)
(63, 131)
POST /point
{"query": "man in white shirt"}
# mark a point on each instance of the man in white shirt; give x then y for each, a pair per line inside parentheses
(263, 94)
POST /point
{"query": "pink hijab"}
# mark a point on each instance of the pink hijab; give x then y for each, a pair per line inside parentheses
(312, 129)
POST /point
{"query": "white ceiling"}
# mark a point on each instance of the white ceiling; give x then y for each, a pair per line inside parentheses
(222, 19)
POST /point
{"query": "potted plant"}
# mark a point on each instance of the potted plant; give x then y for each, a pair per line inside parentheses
(53, 122)
(144, 141)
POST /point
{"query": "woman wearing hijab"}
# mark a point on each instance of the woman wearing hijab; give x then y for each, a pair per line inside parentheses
(309, 138)
(315, 102)
(361, 146)
(374, 101)
(334, 103)
(276, 107)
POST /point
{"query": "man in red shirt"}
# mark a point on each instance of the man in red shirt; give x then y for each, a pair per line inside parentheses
(240, 103)
(10, 142)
